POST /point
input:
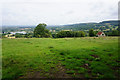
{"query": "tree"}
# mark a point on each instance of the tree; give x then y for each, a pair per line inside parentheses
(91, 33)
(18, 35)
(118, 30)
(41, 31)
(82, 34)
(28, 35)
(115, 33)
(63, 34)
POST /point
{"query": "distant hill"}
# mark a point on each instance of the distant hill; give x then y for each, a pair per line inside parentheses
(114, 23)
(104, 25)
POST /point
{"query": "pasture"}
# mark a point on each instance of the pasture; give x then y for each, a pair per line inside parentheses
(60, 58)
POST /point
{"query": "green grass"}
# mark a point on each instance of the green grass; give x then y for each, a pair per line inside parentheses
(91, 57)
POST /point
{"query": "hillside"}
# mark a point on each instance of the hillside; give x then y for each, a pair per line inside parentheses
(104, 25)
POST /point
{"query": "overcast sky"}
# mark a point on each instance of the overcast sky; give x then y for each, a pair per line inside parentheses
(57, 12)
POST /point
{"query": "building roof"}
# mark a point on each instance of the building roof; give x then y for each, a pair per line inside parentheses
(99, 33)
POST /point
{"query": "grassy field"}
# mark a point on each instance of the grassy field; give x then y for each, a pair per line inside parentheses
(63, 57)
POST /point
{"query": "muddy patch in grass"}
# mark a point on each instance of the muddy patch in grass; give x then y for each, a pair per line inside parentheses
(89, 71)
(95, 56)
(85, 66)
(55, 72)
(93, 51)
(33, 75)
(60, 73)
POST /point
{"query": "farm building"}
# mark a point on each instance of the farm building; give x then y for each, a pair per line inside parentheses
(100, 34)
(10, 36)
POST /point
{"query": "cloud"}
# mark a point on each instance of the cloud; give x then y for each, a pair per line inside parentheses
(32, 12)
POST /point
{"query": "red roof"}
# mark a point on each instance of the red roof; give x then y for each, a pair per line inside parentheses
(99, 33)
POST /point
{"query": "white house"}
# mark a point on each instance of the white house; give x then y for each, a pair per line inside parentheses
(100, 34)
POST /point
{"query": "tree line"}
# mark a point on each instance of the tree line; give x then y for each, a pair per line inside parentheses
(63, 34)
(41, 31)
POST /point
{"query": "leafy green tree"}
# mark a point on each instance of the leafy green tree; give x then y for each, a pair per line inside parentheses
(63, 34)
(41, 31)
(18, 35)
(29, 35)
(91, 33)
(79, 34)
(118, 29)
(115, 33)
(3, 35)
(76, 34)
(82, 34)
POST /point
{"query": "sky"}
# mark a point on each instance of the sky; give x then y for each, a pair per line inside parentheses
(57, 12)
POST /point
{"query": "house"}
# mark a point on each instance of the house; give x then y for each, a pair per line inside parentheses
(10, 36)
(100, 34)
(53, 30)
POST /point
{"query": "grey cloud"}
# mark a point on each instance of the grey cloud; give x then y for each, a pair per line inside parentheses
(57, 12)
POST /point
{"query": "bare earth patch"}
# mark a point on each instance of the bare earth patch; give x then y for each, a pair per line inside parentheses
(60, 73)
(95, 56)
